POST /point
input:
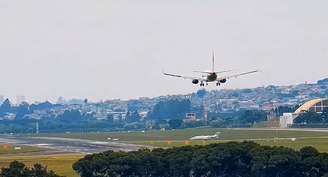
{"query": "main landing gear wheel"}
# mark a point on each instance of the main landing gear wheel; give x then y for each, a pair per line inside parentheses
(218, 84)
(202, 84)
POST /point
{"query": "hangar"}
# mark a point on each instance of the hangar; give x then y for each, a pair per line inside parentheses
(316, 105)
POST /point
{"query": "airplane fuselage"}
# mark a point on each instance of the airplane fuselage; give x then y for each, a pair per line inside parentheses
(204, 137)
(209, 76)
(212, 77)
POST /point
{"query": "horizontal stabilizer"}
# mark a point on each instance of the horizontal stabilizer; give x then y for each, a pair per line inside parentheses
(209, 72)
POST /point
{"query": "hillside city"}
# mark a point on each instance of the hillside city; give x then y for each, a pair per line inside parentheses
(147, 113)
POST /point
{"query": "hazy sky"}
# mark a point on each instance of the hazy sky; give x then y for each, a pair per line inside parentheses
(104, 49)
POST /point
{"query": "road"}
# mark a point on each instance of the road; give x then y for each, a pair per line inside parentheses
(67, 145)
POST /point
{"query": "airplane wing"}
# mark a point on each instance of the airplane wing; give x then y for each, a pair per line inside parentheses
(236, 75)
(185, 77)
(209, 72)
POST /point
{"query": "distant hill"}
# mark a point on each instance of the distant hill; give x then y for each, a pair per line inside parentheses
(221, 108)
(265, 98)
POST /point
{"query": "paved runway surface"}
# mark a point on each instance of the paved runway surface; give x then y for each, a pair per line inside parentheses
(69, 145)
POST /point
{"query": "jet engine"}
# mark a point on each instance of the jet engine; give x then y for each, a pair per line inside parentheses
(223, 80)
(195, 81)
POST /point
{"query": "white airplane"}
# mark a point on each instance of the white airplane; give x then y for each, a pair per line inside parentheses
(216, 135)
(211, 76)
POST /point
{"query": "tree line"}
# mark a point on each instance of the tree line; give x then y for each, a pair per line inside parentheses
(312, 119)
(18, 169)
(168, 114)
(246, 159)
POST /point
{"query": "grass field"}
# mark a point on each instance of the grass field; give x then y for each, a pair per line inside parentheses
(6, 149)
(320, 143)
(181, 137)
(61, 164)
(186, 134)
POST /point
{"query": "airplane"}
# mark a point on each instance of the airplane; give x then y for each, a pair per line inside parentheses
(211, 76)
(216, 135)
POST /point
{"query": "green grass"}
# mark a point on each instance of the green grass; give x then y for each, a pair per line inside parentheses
(226, 134)
(181, 137)
(10, 149)
(320, 143)
(61, 164)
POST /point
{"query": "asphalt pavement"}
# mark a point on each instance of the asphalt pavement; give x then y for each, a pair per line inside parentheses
(69, 145)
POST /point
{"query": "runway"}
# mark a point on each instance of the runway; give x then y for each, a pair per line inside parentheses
(67, 145)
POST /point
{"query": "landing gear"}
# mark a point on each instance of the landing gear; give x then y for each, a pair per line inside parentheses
(202, 84)
(218, 84)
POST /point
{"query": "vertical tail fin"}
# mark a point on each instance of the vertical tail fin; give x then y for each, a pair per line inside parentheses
(213, 60)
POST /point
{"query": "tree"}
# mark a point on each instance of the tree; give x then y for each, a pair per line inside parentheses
(175, 123)
(252, 116)
(170, 109)
(132, 116)
(18, 169)
(309, 118)
(219, 123)
(309, 151)
(201, 93)
(283, 109)
(41, 171)
(232, 159)
(5, 107)
(110, 118)
(324, 115)
(41, 106)
(71, 115)
(22, 110)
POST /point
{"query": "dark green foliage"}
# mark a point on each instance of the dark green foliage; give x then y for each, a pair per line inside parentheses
(252, 116)
(233, 159)
(132, 116)
(218, 123)
(5, 107)
(310, 118)
(201, 93)
(17, 169)
(283, 109)
(323, 82)
(170, 109)
(72, 116)
(242, 118)
(193, 124)
(175, 123)
(42, 106)
(22, 110)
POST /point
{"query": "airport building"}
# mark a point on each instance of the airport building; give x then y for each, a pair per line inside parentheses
(317, 105)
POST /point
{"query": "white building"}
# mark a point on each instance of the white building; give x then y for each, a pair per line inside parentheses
(287, 119)
(316, 105)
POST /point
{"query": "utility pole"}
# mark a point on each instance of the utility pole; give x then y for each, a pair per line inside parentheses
(206, 109)
(37, 127)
